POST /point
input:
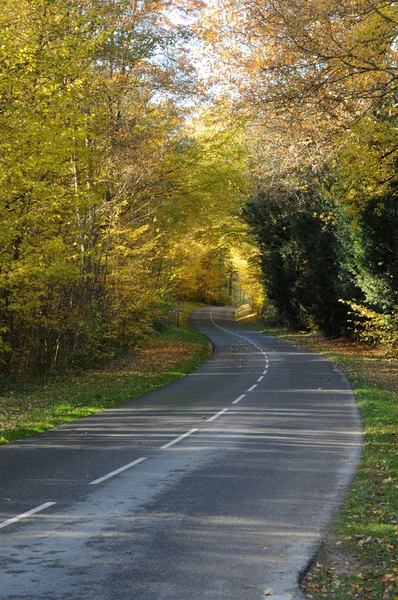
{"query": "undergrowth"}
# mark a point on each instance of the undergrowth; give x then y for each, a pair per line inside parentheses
(33, 406)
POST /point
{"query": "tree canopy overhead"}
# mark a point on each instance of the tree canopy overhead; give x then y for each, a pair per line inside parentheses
(141, 142)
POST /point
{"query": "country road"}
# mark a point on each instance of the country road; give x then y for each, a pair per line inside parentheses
(217, 486)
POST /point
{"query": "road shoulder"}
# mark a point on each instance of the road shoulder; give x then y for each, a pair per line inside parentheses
(357, 558)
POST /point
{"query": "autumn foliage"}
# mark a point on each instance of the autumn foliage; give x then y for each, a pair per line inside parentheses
(100, 178)
(134, 136)
(317, 85)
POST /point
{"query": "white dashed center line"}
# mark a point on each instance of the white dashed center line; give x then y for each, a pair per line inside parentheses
(26, 514)
(112, 473)
(239, 399)
(181, 437)
(217, 415)
(169, 444)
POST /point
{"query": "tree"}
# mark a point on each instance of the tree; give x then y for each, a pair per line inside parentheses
(303, 264)
(317, 83)
(84, 141)
(339, 56)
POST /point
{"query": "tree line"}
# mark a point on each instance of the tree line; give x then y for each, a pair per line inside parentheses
(135, 175)
(106, 186)
(317, 85)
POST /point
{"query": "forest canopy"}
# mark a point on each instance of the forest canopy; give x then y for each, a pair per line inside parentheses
(154, 152)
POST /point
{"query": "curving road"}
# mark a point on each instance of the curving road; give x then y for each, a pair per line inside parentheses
(217, 486)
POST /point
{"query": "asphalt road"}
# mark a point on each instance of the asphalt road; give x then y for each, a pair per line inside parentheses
(217, 486)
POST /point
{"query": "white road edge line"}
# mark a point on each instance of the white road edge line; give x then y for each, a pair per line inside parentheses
(224, 410)
(26, 514)
(178, 439)
(239, 399)
(132, 464)
(260, 378)
(252, 387)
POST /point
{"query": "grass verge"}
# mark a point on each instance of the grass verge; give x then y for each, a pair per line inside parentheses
(358, 558)
(35, 406)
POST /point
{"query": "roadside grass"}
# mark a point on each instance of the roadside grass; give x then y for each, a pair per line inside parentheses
(34, 406)
(358, 558)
